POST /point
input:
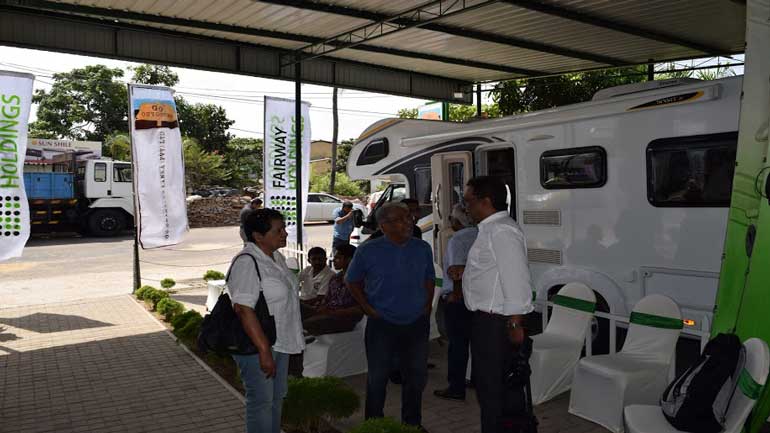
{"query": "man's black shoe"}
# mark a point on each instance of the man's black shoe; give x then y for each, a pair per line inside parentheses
(446, 394)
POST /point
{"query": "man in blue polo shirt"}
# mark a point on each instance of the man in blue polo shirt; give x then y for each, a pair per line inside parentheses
(393, 279)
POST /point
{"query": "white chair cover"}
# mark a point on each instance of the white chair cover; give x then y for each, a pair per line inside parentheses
(344, 354)
(556, 351)
(339, 355)
(605, 384)
(650, 419)
(215, 288)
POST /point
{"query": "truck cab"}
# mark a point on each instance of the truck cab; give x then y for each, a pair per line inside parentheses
(93, 196)
(106, 195)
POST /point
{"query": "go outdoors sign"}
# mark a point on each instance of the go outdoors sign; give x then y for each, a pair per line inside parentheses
(281, 160)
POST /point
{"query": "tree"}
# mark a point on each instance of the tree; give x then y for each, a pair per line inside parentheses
(154, 75)
(206, 123)
(457, 112)
(343, 152)
(91, 103)
(84, 104)
(243, 159)
(202, 168)
(344, 187)
(117, 146)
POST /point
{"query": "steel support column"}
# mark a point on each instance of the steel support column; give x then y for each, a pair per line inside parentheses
(298, 126)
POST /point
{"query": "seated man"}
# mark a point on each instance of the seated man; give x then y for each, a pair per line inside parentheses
(337, 311)
(314, 279)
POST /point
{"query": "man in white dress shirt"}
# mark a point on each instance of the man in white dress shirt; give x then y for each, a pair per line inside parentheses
(497, 290)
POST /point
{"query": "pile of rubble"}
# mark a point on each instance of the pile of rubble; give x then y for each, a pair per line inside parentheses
(214, 211)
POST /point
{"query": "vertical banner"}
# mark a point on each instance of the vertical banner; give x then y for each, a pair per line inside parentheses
(281, 160)
(158, 164)
(15, 102)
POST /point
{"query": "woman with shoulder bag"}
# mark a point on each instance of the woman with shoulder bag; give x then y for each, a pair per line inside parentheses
(264, 374)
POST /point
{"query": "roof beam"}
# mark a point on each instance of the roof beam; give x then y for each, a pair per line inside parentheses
(411, 18)
(597, 21)
(249, 31)
(452, 30)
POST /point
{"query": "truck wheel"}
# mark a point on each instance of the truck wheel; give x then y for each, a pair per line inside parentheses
(106, 222)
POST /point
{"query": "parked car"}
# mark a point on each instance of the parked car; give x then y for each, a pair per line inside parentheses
(320, 207)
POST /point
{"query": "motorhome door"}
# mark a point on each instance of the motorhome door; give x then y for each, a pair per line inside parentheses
(450, 172)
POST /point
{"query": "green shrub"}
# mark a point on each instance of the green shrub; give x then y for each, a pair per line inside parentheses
(180, 320)
(167, 283)
(189, 332)
(383, 425)
(154, 296)
(141, 292)
(169, 308)
(213, 275)
(312, 399)
(342, 185)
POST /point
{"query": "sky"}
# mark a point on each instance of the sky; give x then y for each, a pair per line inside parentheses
(240, 95)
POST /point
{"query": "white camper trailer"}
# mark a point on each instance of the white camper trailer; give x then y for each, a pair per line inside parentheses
(627, 193)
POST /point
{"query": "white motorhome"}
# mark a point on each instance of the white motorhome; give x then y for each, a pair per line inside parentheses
(627, 193)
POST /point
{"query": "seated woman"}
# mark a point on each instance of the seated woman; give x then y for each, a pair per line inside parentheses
(337, 311)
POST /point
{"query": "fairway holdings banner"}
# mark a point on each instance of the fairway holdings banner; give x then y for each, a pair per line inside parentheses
(156, 150)
(280, 160)
(15, 102)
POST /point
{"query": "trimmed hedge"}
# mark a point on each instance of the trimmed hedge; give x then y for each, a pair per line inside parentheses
(384, 425)
(191, 328)
(167, 283)
(142, 292)
(310, 400)
(213, 275)
(169, 308)
(179, 321)
(154, 296)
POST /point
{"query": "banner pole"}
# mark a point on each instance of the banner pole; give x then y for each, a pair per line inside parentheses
(137, 269)
(298, 123)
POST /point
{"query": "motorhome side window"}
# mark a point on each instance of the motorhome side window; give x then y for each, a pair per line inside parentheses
(423, 187)
(695, 171)
(583, 167)
(100, 172)
(373, 152)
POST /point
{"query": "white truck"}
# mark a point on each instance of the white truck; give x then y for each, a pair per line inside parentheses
(627, 193)
(93, 196)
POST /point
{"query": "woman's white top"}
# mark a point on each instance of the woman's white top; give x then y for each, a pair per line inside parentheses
(280, 287)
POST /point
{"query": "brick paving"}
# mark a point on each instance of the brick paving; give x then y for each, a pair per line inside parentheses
(103, 365)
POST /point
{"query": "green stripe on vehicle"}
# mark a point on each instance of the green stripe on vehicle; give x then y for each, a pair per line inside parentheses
(574, 303)
(656, 321)
(749, 387)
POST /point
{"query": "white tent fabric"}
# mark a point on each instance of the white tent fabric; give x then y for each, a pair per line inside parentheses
(340, 355)
(605, 384)
(650, 419)
(556, 351)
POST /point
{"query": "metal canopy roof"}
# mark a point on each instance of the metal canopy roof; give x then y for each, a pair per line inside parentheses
(428, 49)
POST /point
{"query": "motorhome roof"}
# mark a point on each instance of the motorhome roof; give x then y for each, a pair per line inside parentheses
(609, 105)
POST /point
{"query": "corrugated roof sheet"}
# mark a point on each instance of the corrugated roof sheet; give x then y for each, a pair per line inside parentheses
(510, 34)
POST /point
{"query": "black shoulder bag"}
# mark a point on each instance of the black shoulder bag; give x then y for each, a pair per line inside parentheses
(221, 330)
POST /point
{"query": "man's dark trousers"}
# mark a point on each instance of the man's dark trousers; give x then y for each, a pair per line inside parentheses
(410, 343)
(492, 353)
(457, 321)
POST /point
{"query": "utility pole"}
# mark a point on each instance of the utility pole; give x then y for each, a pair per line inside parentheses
(335, 131)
